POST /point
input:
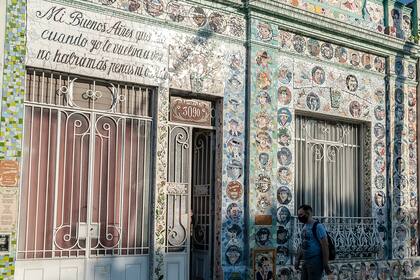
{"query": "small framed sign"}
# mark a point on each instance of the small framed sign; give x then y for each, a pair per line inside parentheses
(4, 243)
(9, 209)
(190, 111)
(264, 264)
(9, 173)
(263, 219)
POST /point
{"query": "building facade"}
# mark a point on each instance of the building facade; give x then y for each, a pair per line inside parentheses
(175, 139)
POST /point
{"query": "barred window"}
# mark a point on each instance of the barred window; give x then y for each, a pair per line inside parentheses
(328, 167)
(86, 167)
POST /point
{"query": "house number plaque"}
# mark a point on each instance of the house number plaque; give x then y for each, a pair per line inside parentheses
(190, 111)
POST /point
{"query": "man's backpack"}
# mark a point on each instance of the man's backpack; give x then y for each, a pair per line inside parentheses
(331, 245)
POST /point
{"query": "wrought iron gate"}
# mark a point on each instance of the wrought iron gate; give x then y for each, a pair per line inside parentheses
(86, 168)
(178, 189)
(190, 199)
(202, 205)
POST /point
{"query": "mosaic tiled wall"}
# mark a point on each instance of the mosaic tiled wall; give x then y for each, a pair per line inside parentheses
(297, 72)
(280, 83)
(12, 110)
(369, 14)
(316, 49)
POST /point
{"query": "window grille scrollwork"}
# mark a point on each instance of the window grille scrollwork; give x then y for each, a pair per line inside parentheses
(354, 238)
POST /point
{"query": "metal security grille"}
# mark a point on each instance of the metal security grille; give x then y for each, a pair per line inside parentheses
(354, 237)
(178, 188)
(328, 159)
(202, 190)
(202, 204)
(86, 168)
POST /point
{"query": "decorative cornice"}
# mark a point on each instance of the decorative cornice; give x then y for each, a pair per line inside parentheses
(90, 6)
(231, 3)
(314, 25)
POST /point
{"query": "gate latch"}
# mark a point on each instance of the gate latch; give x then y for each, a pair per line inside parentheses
(94, 230)
(85, 230)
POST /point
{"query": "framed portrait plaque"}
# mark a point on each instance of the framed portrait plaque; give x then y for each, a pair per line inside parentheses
(264, 264)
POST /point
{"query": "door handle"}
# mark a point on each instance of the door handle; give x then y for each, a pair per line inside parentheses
(94, 230)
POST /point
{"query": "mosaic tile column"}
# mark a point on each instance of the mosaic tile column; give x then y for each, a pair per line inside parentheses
(160, 189)
(233, 198)
(263, 160)
(3, 6)
(285, 158)
(11, 125)
(218, 198)
(403, 169)
(375, 182)
(410, 102)
(398, 191)
(13, 81)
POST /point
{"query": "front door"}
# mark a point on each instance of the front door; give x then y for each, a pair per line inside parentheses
(202, 205)
(190, 191)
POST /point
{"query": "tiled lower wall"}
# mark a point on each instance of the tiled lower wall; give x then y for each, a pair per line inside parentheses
(13, 77)
(394, 269)
(7, 262)
(13, 81)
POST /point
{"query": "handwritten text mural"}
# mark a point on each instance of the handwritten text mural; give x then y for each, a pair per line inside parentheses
(71, 40)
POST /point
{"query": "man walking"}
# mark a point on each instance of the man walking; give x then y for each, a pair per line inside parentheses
(314, 249)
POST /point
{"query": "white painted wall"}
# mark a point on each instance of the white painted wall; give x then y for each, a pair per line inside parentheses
(108, 268)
